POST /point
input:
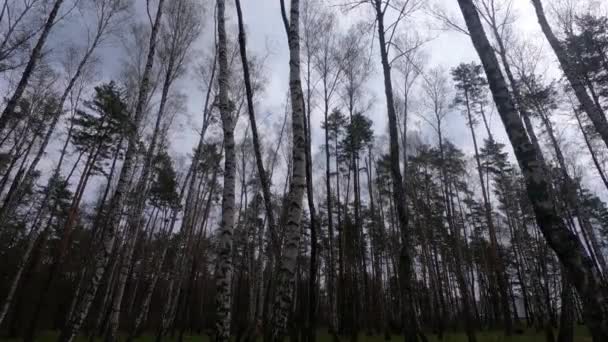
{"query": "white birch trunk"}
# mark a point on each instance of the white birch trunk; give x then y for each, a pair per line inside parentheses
(102, 25)
(136, 215)
(224, 240)
(115, 207)
(293, 210)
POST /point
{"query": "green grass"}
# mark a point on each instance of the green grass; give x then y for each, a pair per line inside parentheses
(580, 335)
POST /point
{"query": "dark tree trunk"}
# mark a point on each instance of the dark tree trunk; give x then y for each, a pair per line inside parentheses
(579, 267)
(409, 321)
(595, 113)
(35, 55)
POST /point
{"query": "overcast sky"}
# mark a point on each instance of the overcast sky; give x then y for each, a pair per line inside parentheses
(266, 37)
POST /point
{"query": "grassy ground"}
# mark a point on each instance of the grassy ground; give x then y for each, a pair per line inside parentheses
(581, 335)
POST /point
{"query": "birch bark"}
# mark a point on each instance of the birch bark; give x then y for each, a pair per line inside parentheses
(113, 215)
(297, 186)
(224, 242)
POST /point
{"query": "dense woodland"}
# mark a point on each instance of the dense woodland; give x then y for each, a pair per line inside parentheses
(272, 226)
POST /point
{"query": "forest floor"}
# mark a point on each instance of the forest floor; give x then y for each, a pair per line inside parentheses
(580, 335)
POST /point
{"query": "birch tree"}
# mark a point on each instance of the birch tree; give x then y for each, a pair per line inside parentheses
(108, 14)
(226, 107)
(409, 321)
(595, 113)
(106, 11)
(566, 245)
(112, 217)
(33, 60)
(293, 205)
(179, 32)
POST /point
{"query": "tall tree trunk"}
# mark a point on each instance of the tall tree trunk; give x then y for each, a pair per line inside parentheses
(594, 112)
(293, 205)
(183, 242)
(141, 316)
(312, 274)
(25, 258)
(496, 260)
(224, 248)
(454, 238)
(377, 236)
(135, 219)
(333, 316)
(191, 180)
(96, 230)
(572, 198)
(579, 267)
(113, 216)
(340, 238)
(566, 321)
(35, 55)
(265, 181)
(7, 211)
(592, 152)
(409, 322)
(61, 250)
